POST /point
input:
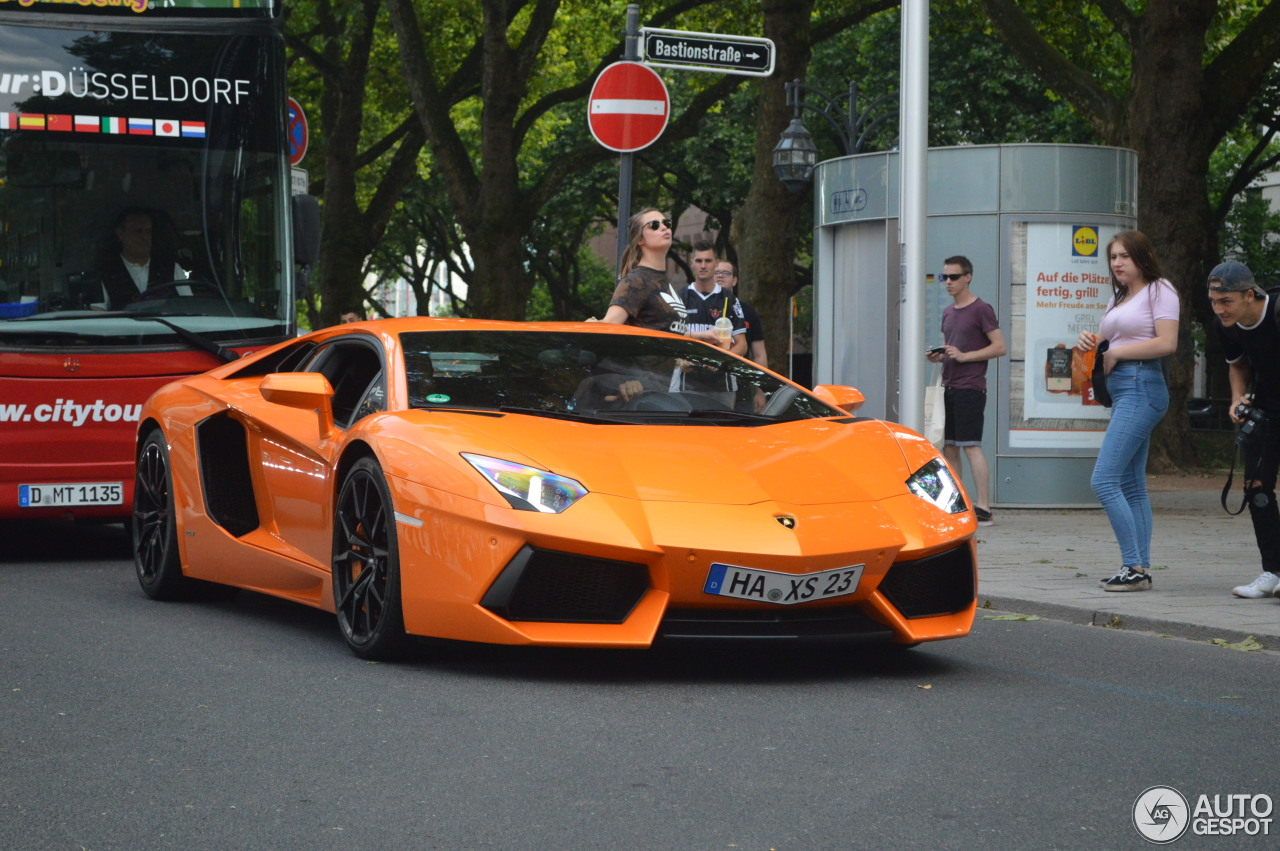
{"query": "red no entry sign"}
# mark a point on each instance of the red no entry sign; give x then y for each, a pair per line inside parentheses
(628, 107)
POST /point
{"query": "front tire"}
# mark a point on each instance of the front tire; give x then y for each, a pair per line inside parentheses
(155, 528)
(366, 565)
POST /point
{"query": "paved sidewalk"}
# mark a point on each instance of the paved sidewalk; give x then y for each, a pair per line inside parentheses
(1048, 563)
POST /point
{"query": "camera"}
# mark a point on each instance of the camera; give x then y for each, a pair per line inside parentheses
(1254, 424)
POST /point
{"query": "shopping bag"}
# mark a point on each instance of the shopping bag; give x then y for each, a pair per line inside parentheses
(934, 410)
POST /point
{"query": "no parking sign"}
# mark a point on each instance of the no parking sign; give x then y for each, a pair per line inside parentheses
(298, 136)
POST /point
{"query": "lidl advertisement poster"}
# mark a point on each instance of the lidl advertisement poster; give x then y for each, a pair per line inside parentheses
(1068, 286)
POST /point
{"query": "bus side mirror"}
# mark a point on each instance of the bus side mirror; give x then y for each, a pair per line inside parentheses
(306, 229)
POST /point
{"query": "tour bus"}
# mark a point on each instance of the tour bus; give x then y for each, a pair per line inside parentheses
(147, 228)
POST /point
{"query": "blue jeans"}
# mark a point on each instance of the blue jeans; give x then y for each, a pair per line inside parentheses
(1139, 401)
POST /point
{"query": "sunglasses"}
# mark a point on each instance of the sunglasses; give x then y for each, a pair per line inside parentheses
(944, 276)
(657, 224)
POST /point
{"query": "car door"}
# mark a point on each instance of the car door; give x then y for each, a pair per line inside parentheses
(296, 461)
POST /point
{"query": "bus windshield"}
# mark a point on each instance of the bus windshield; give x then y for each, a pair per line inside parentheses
(141, 176)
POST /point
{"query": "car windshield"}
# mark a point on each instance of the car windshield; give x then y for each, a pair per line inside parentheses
(607, 377)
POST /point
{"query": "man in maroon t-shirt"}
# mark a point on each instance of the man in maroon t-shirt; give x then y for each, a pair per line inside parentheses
(971, 337)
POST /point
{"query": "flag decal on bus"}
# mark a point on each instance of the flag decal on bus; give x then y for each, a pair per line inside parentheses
(102, 124)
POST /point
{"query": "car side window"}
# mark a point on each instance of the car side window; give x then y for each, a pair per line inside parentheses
(354, 369)
(374, 401)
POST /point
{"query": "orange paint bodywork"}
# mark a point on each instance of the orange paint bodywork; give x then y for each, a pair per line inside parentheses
(841, 479)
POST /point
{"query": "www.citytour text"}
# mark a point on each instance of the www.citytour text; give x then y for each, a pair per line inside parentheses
(71, 412)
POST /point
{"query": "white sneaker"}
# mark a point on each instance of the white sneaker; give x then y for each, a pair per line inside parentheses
(1263, 586)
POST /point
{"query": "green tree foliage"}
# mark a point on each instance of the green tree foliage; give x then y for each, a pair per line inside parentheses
(365, 149)
(490, 106)
(1248, 229)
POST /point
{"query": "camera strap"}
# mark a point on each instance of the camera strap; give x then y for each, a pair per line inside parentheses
(1244, 499)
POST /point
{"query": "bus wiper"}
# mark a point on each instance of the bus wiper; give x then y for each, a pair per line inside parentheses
(200, 341)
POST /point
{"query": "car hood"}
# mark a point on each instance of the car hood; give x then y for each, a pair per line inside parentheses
(810, 462)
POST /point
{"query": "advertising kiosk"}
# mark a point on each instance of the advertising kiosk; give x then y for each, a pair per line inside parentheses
(1034, 219)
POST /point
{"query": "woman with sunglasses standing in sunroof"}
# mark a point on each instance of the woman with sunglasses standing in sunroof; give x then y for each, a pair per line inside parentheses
(644, 296)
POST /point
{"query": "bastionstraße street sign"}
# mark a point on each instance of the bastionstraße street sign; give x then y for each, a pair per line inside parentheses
(695, 51)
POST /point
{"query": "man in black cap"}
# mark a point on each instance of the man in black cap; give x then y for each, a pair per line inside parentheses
(1248, 326)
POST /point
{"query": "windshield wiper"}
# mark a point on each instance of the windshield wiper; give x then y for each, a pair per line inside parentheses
(575, 416)
(703, 415)
(741, 416)
(200, 341)
(453, 409)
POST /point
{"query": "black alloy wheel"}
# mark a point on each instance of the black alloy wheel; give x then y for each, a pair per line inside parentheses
(366, 568)
(155, 533)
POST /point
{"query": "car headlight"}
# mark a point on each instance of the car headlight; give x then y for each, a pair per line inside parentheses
(934, 484)
(528, 488)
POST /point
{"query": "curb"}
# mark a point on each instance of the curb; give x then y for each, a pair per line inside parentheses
(1115, 620)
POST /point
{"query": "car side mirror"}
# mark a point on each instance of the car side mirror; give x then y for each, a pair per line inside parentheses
(840, 396)
(307, 391)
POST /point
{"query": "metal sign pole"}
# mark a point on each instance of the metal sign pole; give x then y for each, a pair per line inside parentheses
(631, 54)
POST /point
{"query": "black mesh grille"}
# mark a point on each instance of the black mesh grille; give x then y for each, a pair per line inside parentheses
(937, 585)
(842, 622)
(542, 585)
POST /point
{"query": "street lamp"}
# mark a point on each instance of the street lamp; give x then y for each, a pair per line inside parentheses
(796, 154)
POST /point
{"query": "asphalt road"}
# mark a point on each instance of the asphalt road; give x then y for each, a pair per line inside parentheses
(130, 724)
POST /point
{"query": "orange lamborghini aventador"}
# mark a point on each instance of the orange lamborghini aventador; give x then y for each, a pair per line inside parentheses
(563, 484)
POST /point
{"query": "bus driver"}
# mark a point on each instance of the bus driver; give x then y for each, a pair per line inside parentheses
(130, 270)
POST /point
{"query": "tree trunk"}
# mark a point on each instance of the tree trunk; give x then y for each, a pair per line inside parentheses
(347, 233)
(766, 225)
(1167, 128)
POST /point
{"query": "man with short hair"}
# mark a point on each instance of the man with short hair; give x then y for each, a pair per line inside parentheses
(727, 277)
(971, 337)
(131, 270)
(1248, 326)
(706, 301)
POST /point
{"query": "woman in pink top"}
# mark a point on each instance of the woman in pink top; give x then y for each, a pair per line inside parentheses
(1141, 326)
